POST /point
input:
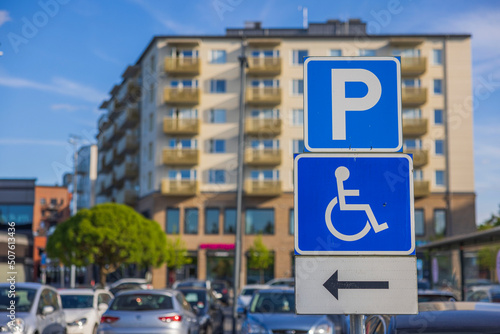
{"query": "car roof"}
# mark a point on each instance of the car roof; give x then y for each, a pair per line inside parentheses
(192, 288)
(485, 287)
(256, 286)
(77, 292)
(277, 289)
(129, 280)
(148, 292)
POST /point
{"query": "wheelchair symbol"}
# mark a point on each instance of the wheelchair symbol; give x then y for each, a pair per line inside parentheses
(342, 174)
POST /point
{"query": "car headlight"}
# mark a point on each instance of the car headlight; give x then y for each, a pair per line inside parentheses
(255, 329)
(79, 322)
(16, 326)
(322, 329)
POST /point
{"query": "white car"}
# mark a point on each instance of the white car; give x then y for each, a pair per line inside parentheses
(83, 309)
(247, 293)
(35, 308)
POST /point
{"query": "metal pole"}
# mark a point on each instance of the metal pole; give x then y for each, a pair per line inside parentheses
(239, 196)
(357, 324)
(74, 140)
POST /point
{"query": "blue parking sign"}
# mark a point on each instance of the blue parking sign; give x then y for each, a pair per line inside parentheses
(354, 204)
(352, 104)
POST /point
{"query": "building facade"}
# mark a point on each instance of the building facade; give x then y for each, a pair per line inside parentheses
(188, 135)
(86, 177)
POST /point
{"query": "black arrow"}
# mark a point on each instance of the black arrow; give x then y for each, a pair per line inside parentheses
(333, 285)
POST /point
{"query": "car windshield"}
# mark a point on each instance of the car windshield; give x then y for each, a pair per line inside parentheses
(195, 298)
(77, 301)
(194, 283)
(273, 302)
(23, 299)
(247, 292)
(141, 302)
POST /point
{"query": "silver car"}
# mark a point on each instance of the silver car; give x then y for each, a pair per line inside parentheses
(149, 312)
(30, 308)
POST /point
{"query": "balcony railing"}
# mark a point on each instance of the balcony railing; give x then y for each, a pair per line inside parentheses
(127, 144)
(179, 157)
(262, 157)
(414, 126)
(127, 170)
(181, 96)
(263, 96)
(420, 157)
(179, 187)
(181, 126)
(256, 126)
(129, 118)
(182, 66)
(413, 96)
(264, 66)
(421, 188)
(263, 188)
(412, 66)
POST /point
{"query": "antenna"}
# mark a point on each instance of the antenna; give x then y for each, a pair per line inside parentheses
(304, 16)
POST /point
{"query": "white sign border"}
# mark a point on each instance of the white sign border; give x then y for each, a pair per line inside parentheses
(356, 156)
(366, 149)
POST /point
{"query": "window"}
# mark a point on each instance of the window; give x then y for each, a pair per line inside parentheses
(259, 221)
(265, 144)
(418, 175)
(43, 201)
(150, 180)
(182, 174)
(298, 146)
(437, 57)
(440, 222)
(367, 52)
(440, 178)
(439, 147)
(172, 224)
(150, 151)
(217, 116)
(191, 221)
(151, 93)
(265, 175)
(21, 214)
(298, 117)
(438, 86)
(438, 116)
(217, 86)
(212, 221)
(291, 224)
(297, 87)
(229, 221)
(412, 144)
(152, 64)
(184, 113)
(419, 222)
(216, 176)
(265, 113)
(151, 122)
(218, 57)
(406, 52)
(410, 83)
(412, 113)
(217, 146)
(175, 143)
(298, 56)
(335, 53)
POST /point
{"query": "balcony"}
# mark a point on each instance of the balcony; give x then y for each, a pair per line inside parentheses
(413, 96)
(181, 126)
(130, 197)
(266, 66)
(127, 170)
(420, 157)
(263, 188)
(413, 66)
(180, 157)
(128, 119)
(181, 96)
(127, 144)
(421, 188)
(256, 126)
(262, 157)
(414, 126)
(263, 96)
(133, 91)
(182, 66)
(179, 187)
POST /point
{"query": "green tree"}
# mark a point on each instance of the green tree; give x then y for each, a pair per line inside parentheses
(108, 235)
(490, 223)
(259, 257)
(176, 256)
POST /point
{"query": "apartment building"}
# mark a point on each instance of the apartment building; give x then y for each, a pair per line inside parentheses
(86, 177)
(188, 129)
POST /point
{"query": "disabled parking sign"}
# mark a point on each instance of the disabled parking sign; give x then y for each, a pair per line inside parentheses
(354, 204)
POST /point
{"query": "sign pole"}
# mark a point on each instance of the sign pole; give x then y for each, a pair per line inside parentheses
(357, 324)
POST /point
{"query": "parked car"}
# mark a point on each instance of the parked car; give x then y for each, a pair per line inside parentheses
(129, 284)
(83, 309)
(247, 293)
(209, 309)
(435, 296)
(485, 293)
(192, 282)
(149, 311)
(37, 309)
(273, 311)
(440, 317)
(286, 281)
(223, 291)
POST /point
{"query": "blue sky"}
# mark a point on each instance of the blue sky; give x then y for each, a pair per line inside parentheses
(60, 58)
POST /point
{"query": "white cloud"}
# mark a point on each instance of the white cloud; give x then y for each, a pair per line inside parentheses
(67, 107)
(57, 85)
(31, 141)
(4, 17)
